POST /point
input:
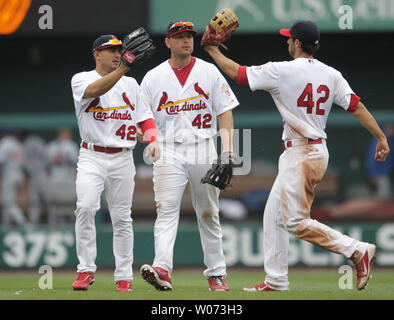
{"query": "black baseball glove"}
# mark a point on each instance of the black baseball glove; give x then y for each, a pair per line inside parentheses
(221, 172)
(137, 47)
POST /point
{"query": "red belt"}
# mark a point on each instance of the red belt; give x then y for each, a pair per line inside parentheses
(102, 149)
(289, 143)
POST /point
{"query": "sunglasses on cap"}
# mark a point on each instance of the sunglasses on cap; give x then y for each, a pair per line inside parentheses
(181, 24)
(109, 43)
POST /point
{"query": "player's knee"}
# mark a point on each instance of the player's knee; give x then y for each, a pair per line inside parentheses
(168, 205)
(120, 216)
(293, 226)
(210, 216)
(298, 227)
(84, 211)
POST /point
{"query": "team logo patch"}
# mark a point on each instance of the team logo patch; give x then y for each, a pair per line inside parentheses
(101, 114)
(125, 99)
(174, 107)
(200, 91)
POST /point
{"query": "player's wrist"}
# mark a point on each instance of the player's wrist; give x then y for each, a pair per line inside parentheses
(127, 58)
(211, 48)
(123, 68)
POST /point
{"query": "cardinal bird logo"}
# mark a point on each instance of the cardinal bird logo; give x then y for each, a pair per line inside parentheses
(163, 100)
(93, 104)
(127, 101)
(200, 91)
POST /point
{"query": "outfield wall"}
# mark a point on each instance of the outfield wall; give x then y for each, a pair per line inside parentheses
(242, 244)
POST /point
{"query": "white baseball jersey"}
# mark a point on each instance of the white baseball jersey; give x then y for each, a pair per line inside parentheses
(303, 91)
(111, 119)
(187, 114)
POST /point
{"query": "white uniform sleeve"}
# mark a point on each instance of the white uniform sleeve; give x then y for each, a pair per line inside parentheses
(342, 92)
(263, 77)
(223, 98)
(143, 110)
(146, 94)
(79, 83)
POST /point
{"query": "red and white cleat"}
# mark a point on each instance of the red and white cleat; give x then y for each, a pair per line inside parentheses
(157, 277)
(217, 283)
(123, 286)
(258, 287)
(83, 280)
(364, 266)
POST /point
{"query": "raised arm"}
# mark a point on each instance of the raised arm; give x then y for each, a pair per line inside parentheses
(369, 123)
(104, 84)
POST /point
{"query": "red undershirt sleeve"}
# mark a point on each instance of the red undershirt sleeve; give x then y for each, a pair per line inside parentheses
(242, 77)
(354, 100)
(149, 129)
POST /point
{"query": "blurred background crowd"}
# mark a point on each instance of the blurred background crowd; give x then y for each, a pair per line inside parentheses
(37, 178)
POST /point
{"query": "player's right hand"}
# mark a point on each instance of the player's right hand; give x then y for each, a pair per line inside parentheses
(382, 150)
(152, 152)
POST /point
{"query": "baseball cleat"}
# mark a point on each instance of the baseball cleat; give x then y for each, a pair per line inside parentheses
(258, 287)
(217, 283)
(123, 286)
(83, 280)
(157, 277)
(364, 266)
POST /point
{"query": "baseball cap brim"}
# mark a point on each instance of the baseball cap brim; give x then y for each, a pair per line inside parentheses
(285, 32)
(106, 47)
(105, 42)
(193, 32)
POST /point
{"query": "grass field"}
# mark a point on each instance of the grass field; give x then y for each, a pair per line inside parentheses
(305, 284)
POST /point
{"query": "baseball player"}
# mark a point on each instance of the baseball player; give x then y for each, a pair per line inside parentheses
(12, 179)
(63, 157)
(109, 107)
(36, 165)
(187, 95)
(303, 90)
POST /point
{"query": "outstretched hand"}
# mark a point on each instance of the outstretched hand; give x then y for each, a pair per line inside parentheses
(382, 150)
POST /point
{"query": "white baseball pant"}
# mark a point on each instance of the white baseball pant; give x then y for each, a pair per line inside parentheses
(178, 165)
(113, 173)
(288, 207)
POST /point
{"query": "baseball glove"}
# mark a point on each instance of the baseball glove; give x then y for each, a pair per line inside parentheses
(220, 28)
(221, 172)
(137, 47)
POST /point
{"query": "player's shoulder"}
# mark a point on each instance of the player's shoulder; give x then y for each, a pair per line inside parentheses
(154, 73)
(200, 63)
(329, 69)
(129, 80)
(158, 69)
(272, 67)
(84, 75)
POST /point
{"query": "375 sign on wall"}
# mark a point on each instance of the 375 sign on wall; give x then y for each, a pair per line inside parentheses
(28, 249)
